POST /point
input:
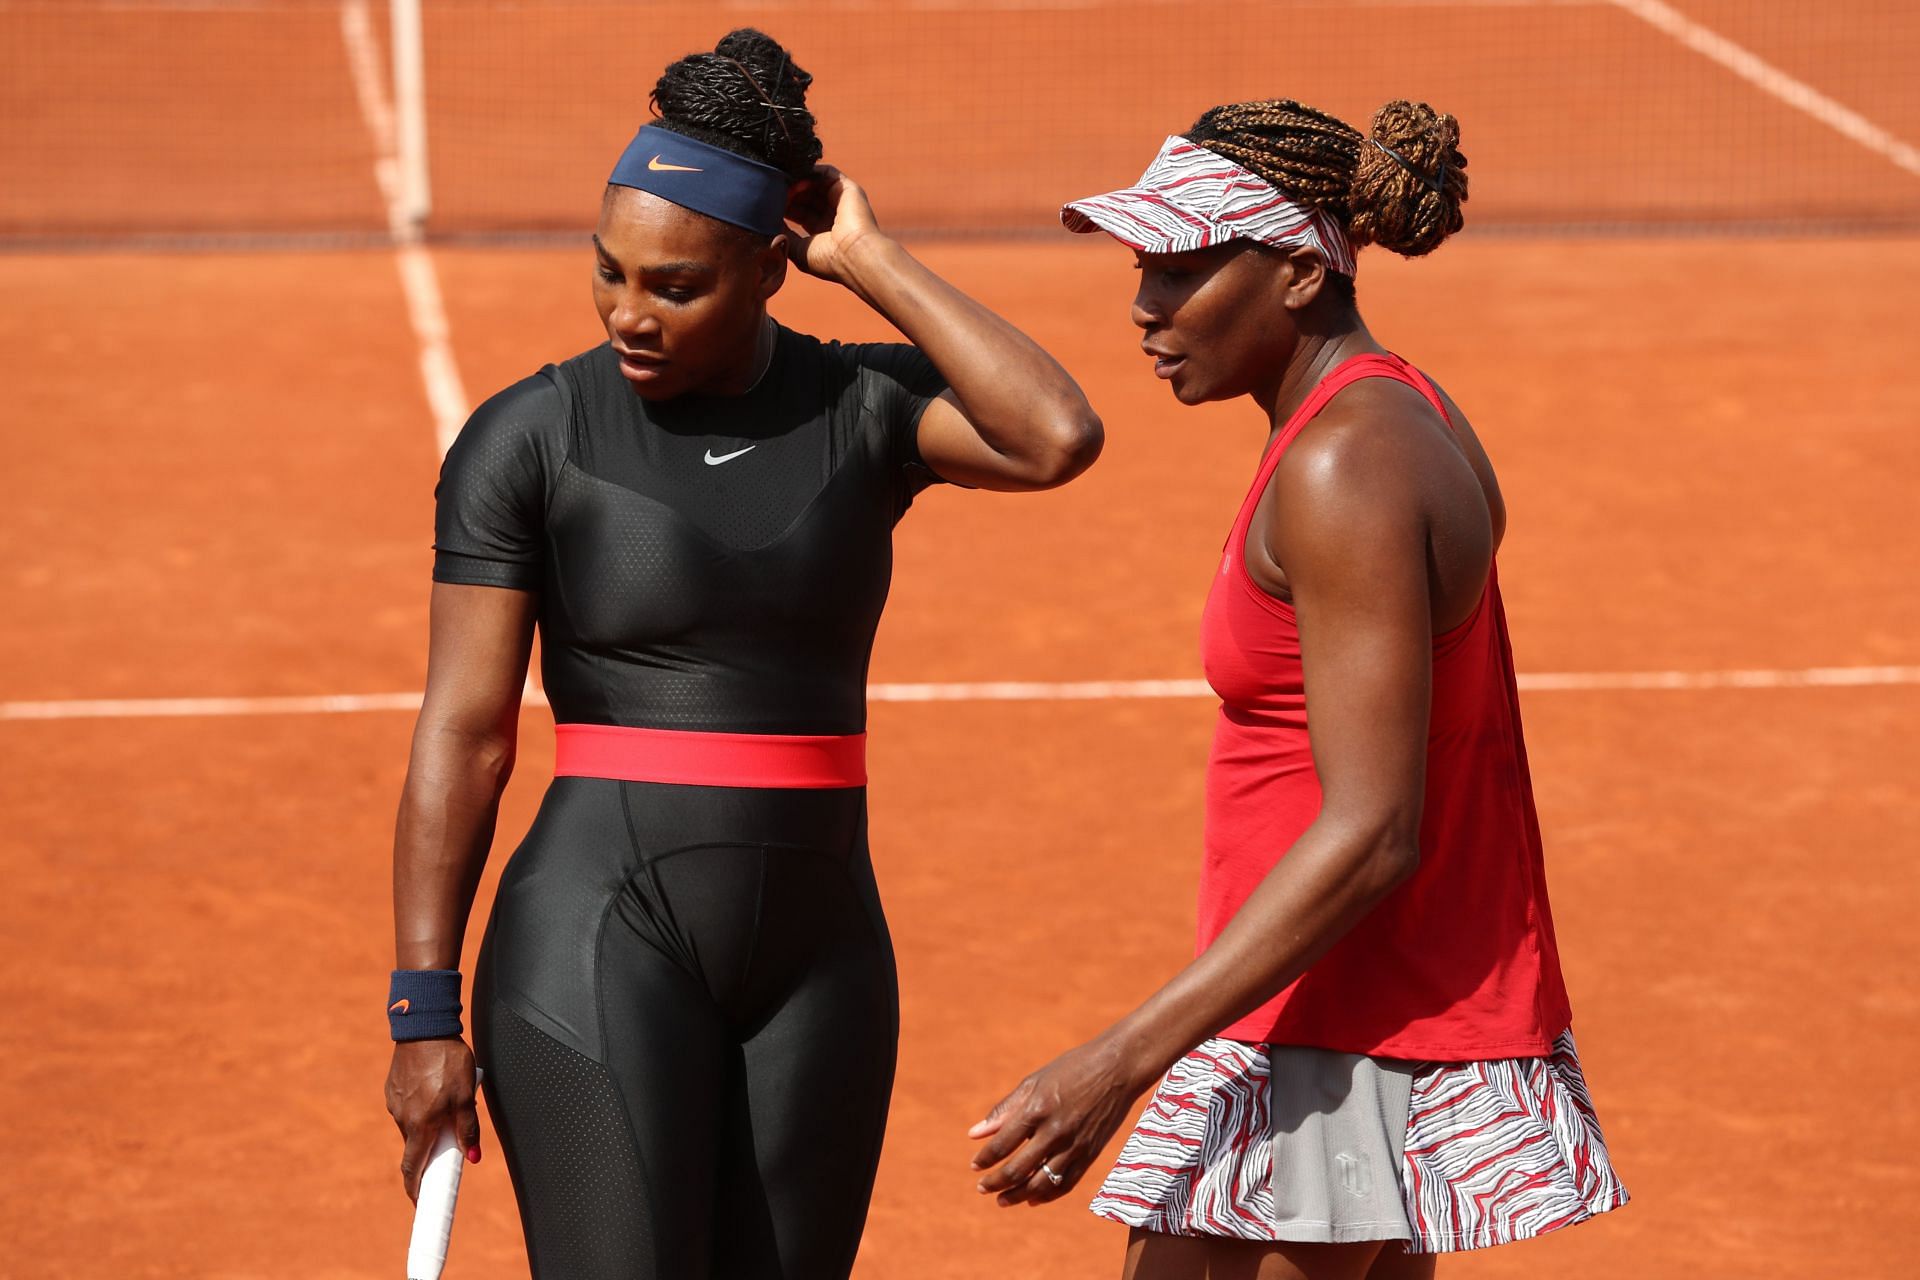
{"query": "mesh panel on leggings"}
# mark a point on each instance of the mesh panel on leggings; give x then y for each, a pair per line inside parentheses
(573, 1146)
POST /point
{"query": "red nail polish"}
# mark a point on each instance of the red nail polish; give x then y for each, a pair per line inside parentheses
(473, 1155)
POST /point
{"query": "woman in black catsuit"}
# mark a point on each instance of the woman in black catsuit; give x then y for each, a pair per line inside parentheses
(685, 1002)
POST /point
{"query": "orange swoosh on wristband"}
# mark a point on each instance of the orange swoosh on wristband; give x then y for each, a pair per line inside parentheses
(400, 1005)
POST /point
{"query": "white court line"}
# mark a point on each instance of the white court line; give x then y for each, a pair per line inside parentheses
(164, 708)
(1085, 6)
(988, 691)
(1769, 79)
(1801, 678)
(419, 282)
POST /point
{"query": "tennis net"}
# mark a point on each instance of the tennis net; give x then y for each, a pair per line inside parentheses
(134, 119)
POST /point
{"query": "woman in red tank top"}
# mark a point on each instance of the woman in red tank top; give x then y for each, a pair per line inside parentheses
(1369, 1061)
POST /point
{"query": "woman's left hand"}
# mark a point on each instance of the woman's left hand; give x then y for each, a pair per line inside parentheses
(833, 211)
(1056, 1123)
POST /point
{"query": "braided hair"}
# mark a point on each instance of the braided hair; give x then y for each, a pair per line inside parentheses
(748, 96)
(1400, 187)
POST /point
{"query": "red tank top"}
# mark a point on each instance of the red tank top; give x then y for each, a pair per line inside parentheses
(1459, 962)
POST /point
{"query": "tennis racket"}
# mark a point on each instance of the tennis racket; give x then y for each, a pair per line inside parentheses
(433, 1210)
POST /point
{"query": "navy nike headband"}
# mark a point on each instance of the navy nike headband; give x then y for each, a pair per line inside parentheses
(705, 179)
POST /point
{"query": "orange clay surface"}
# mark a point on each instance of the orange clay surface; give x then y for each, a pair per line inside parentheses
(219, 483)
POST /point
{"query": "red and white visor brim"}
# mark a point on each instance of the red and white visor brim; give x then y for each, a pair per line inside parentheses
(1191, 198)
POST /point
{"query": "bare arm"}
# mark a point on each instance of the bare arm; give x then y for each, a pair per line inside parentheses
(1013, 419)
(1349, 529)
(463, 749)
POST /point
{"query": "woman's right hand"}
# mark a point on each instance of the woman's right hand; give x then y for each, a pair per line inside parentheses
(429, 1086)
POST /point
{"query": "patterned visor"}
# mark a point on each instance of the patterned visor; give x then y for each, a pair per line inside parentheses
(1190, 198)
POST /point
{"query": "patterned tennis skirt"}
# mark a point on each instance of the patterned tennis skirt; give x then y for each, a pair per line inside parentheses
(1489, 1153)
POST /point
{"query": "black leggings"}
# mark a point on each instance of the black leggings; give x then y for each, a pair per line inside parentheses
(687, 1012)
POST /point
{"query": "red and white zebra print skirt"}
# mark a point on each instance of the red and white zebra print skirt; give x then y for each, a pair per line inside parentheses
(1483, 1153)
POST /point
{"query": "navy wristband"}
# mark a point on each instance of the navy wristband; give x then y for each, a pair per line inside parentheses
(424, 1004)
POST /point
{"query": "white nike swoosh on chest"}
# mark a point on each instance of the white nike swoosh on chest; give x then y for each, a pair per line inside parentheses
(728, 457)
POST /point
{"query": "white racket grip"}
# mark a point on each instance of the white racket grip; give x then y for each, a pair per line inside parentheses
(433, 1211)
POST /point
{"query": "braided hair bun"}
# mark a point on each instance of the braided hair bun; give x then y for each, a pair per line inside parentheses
(748, 96)
(1409, 180)
(1400, 188)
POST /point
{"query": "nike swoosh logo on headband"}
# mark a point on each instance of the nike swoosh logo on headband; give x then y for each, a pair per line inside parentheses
(655, 165)
(400, 1006)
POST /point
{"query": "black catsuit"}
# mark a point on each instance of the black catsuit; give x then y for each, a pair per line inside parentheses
(686, 1003)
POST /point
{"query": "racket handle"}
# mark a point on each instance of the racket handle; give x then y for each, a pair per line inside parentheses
(433, 1211)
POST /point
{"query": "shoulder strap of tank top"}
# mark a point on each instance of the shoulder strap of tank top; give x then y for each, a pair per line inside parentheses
(1344, 375)
(1424, 385)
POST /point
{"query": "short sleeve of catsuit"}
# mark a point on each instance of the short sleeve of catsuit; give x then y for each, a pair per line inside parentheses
(897, 383)
(490, 504)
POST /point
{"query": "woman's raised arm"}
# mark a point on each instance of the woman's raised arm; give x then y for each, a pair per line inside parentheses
(1013, 419)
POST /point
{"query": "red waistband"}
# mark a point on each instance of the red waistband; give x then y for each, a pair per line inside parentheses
(709, 759)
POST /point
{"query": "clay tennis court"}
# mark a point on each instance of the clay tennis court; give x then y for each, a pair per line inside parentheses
(217, 542)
